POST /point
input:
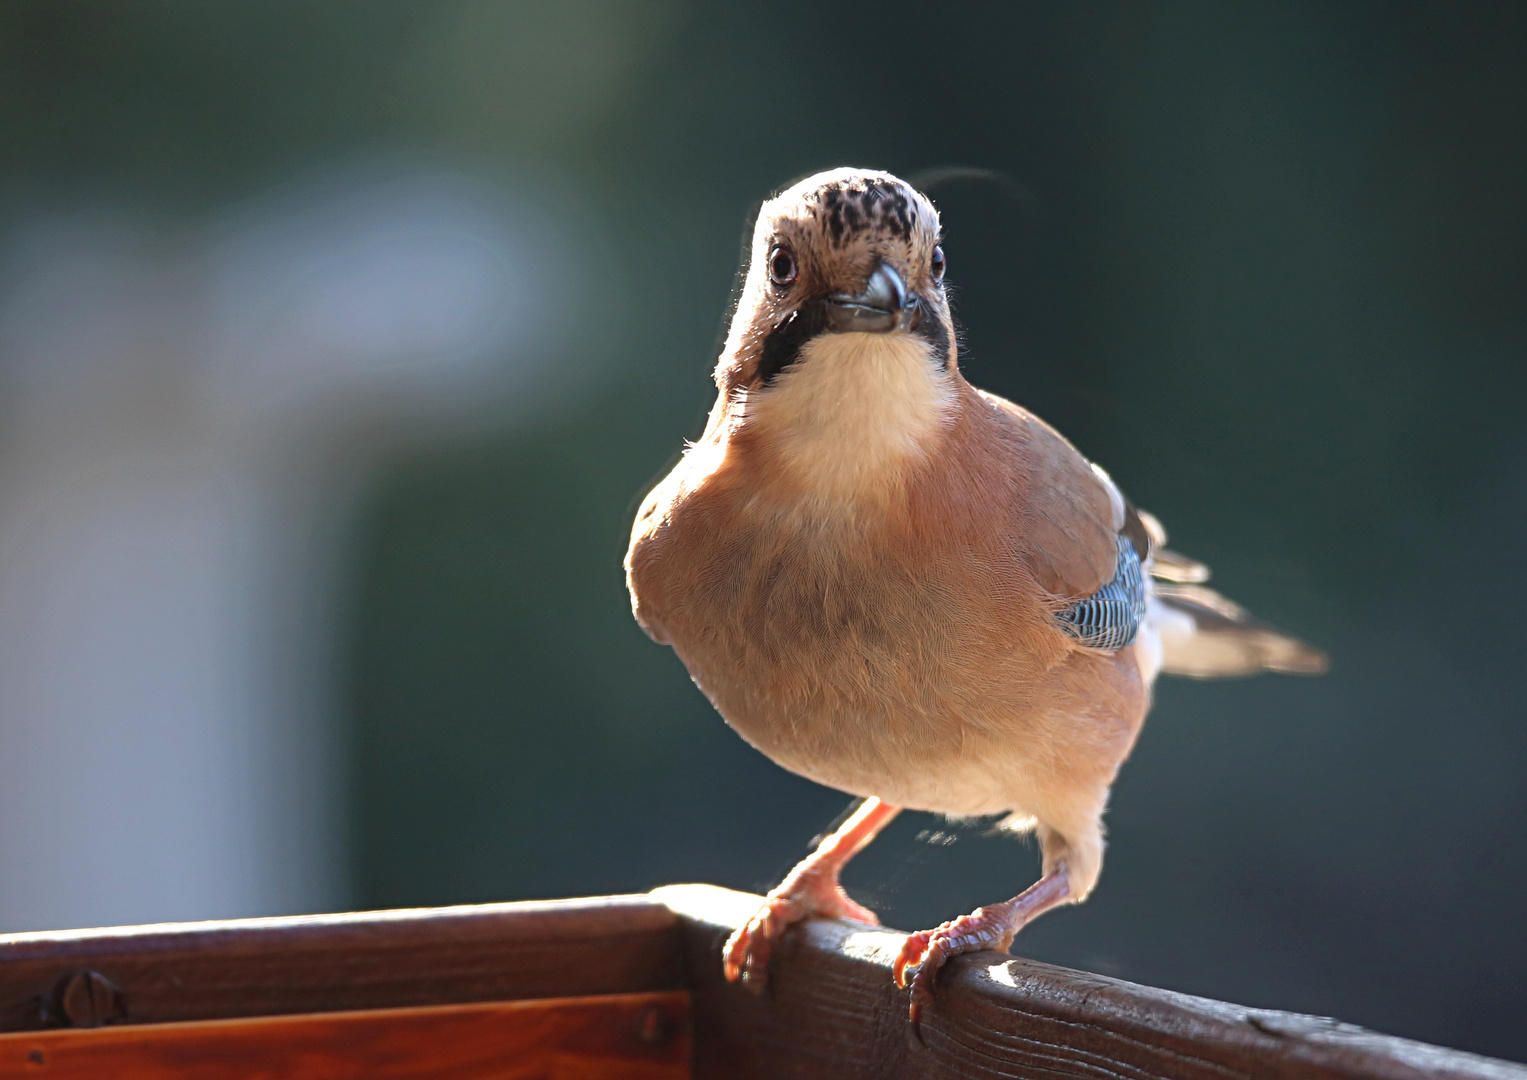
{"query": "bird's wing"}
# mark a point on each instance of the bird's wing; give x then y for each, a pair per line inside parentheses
(1068, 513)
(1093, 551)
(1110, 618)
(1087, 544)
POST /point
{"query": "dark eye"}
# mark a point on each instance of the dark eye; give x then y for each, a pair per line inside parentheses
(782, 268)
(937, 264)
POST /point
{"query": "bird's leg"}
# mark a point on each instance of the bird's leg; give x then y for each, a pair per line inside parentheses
(991, 927)
(811, 888)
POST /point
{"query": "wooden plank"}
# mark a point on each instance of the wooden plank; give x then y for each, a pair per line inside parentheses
(630, 1037)
(831, 1011)
(325, 963)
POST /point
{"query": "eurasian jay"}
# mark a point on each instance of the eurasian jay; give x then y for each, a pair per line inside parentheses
(906, 588)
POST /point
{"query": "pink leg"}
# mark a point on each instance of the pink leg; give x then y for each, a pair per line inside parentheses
(990, 927)
(810, 889)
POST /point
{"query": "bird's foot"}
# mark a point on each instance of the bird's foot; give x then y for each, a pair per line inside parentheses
(990, 927)
(807, 891)
(927, 950)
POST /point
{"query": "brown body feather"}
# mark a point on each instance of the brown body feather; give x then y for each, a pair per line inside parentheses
(906, 649)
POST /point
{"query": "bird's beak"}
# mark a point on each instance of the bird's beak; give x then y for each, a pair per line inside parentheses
(883, 305)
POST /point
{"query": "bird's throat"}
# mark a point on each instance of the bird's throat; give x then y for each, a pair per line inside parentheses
(853, 415)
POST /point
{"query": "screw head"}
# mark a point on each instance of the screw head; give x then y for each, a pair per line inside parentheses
(89, 999)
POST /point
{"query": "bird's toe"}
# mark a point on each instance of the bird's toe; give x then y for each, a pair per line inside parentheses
(745, 956)
(924, 953)
(805, 893)
(837, 904)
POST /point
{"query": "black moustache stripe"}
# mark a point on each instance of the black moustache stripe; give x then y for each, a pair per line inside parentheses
(784, 344)
(936, 333)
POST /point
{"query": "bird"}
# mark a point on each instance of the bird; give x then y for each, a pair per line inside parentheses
(906, 588)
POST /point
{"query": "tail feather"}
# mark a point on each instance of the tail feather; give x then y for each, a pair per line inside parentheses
(1169, 565)
(1206, 636)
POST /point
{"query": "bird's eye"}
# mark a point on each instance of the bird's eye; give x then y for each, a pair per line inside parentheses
(782, 268)
(937, 264)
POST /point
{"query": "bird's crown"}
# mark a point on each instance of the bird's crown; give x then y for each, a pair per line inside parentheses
(850, 204)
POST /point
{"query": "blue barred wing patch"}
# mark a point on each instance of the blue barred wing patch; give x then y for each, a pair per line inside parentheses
(1110, 617)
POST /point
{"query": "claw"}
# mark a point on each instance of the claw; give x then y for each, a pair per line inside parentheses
(911, 954)
(990, 927)
(746, 954)
(746, 957)
(929, 950)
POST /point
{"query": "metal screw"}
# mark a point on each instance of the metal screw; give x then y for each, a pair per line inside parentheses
(89, 999)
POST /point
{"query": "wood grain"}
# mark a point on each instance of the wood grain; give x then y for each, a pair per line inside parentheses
(630, 1037)
(831, 1011)
(326, 963)
(441, 987)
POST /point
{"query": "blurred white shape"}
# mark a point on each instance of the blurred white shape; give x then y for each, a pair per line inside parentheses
(409, 287)
(183, 417)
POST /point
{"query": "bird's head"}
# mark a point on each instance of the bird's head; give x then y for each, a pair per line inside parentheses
(849, 251)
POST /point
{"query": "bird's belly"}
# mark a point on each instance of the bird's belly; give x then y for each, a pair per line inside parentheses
(945, 782)
(880, 664)
(934, 736)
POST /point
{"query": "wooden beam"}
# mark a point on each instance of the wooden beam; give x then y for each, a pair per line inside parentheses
(327, 963)
(831, 1011)
(629, 1036)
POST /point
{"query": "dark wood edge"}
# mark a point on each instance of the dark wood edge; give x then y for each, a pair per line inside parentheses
(328, 963)
(831, 1010)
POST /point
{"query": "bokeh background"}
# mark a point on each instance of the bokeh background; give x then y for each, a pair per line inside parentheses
(338, 341)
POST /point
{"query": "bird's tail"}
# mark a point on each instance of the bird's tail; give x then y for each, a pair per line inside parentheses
(1206, 636)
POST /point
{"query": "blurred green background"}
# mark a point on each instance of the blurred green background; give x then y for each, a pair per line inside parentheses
(1266, 262)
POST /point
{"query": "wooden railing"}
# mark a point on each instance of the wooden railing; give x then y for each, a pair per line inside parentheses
(620, 987)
